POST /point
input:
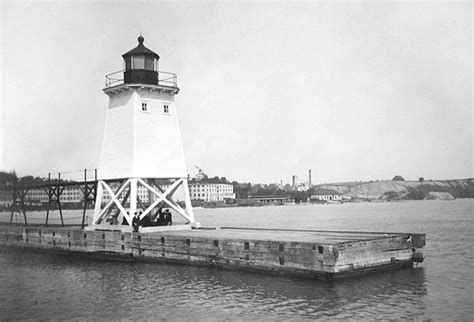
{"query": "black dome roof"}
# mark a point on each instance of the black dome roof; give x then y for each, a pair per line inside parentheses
(141, 50)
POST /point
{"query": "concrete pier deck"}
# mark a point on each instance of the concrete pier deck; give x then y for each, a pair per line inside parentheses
(310, 253)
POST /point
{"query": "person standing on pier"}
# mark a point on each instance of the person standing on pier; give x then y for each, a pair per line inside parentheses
(162, 219)
(136, 222)
(168, 219)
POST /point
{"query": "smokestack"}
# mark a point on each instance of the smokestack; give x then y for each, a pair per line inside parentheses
(294, 181)
(309, 179)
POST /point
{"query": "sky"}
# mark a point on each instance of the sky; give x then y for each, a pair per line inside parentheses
(359, 90)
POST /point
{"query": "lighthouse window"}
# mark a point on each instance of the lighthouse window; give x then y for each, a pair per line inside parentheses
(149, 63)
(138, 62)
(166, 109)
(128, 63)
(144, 107)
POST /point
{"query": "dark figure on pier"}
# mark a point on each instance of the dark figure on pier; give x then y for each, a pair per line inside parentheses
(156, 217)
(168, 220)
(136, 222)
(161, 219)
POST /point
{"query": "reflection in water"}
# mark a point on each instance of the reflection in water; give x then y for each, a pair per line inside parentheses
(76, 287)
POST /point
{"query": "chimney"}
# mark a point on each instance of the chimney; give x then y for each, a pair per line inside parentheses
(294, 181)
(309, 179)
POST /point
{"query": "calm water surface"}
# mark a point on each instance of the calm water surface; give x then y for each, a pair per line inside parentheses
(35, 285)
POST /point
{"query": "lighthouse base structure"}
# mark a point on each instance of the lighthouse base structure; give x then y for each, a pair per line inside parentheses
(125, 202)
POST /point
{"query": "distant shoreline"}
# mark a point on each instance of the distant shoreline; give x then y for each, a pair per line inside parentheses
(354, 201)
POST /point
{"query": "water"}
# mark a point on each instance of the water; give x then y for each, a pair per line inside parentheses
(35, 285)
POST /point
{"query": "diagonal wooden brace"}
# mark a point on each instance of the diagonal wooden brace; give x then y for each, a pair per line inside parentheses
(164, 197)
(114, 200)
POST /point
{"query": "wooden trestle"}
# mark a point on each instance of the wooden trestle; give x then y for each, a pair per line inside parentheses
(54, 189)
(310, 253)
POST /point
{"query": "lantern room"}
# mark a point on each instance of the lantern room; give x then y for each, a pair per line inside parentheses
(141, 65)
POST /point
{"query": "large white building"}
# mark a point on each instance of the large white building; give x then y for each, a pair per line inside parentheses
(70, 194)
(211, 192)
(208, 192)
(202, 190)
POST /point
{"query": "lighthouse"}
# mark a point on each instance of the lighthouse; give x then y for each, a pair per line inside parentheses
(142, 145)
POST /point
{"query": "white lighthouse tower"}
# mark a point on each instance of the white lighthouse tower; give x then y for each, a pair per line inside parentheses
(142, 148)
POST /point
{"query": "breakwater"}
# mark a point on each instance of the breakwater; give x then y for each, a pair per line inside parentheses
(310, 253)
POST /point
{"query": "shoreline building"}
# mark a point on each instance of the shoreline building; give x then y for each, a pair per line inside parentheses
(326, 195)
(277, 200)
(207, 192)
(211, 192)
(298, 185)
(69, 195)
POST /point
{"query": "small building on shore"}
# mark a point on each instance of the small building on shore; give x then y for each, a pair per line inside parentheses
(326, 195)
(277, 200)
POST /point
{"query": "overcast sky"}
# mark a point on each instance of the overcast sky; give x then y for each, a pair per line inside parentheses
(353, 91)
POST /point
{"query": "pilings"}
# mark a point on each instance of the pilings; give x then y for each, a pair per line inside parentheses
(89, 191)
(54, 192)
(18, 195)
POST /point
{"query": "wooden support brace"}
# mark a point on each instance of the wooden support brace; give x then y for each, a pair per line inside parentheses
(114, 200)
(164, 197)
(170, 197)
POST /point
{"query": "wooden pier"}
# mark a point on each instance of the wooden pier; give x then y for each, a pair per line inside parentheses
(317, 254)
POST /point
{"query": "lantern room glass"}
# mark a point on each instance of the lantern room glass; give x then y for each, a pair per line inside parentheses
(141, 62)
(149, 63)
(128, 63)
(138, 62)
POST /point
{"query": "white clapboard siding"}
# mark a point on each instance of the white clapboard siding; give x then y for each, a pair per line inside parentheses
(140, 144)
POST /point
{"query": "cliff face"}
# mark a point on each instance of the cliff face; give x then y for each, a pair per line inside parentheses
(439, 196)
(410, 190)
